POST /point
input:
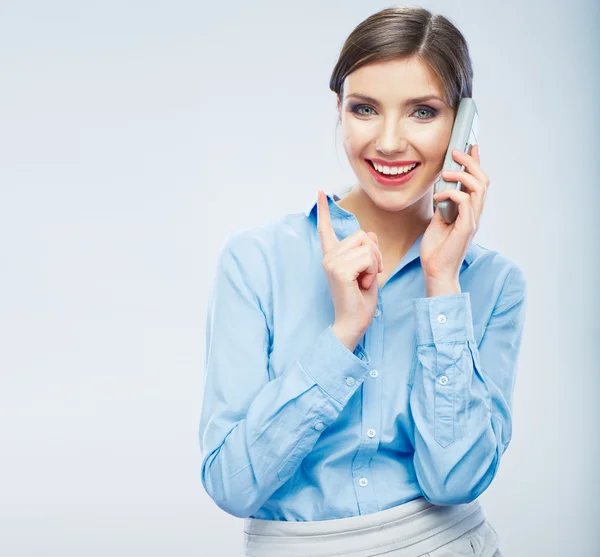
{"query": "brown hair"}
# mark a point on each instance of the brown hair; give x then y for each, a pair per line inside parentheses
(407, 32)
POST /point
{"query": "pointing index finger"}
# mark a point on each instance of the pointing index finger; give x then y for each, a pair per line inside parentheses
(327, 234)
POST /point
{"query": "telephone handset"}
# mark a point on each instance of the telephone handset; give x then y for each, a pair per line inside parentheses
(464, 135)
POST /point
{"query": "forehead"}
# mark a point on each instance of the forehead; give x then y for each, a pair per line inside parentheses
(393, 80)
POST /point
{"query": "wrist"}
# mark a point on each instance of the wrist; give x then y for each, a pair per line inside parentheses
(348, 338)
(441, 287)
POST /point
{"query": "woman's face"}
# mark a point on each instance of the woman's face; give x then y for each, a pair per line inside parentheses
(404, 130)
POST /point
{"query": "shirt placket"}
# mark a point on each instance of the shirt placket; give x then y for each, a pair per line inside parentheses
(370, 423)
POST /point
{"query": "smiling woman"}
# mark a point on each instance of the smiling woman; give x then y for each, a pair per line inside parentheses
(352, 405)
(407, 120)
(395, 97)
(404, 36)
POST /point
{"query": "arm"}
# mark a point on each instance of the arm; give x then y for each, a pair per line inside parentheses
(461, 398)
(255, 432)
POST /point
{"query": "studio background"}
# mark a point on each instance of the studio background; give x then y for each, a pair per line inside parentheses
(136, 136)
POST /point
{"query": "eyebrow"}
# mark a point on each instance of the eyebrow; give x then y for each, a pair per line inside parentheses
(407, 102)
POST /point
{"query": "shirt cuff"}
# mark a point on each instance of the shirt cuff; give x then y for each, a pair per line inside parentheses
(444, 318)
(334, 368)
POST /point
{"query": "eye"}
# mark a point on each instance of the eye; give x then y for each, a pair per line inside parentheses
(432, 111)
(356, 107)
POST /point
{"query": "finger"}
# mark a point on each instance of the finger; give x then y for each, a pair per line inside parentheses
(466, 220)
(471, 163)
(473, 187)
(478, 159)
(359, 261)
(367, 281)
(329, 239)
(373, 236)
(468, 181)
(356, 239)
(368, 278)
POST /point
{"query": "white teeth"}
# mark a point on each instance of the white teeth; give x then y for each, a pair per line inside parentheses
(393, 170)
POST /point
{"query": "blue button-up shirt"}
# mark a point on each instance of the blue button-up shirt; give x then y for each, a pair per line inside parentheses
(294, 426)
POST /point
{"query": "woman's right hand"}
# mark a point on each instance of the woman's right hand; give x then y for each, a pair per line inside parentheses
(351, 267)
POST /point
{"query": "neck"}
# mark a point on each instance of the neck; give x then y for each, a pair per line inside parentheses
(396, 231)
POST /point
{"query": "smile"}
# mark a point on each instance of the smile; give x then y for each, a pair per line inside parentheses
(401, 174)
(393, 170)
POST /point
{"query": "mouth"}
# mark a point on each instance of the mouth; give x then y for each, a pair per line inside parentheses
(392, 179)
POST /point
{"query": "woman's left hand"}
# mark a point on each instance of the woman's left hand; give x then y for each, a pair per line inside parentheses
(444, 246)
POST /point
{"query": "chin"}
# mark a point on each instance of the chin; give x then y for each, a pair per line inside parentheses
(395, 199)
(390, 200)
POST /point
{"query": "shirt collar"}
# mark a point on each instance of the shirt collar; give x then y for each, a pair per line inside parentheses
(339, 216)
(345, 223)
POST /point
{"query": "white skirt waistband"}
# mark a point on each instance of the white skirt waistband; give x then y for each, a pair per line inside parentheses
(409, 530)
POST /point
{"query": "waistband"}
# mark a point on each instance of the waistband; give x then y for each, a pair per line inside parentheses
(409, 530)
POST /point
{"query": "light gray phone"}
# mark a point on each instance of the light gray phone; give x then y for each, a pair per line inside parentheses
(464, 135)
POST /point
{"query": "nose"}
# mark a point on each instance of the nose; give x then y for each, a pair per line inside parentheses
(392, 138)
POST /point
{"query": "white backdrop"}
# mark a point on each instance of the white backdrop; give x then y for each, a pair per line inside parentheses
(135, 136)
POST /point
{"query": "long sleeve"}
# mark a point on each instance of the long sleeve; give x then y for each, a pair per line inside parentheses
(254, 432)
(461, 398)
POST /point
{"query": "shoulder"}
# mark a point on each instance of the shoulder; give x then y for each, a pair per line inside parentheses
(270, 239)
(494, 268)
(264, 251)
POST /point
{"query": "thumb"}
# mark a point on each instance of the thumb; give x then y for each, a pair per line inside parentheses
(373, 237)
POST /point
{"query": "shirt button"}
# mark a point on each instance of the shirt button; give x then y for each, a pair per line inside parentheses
(377, 312)
(350, 381)
(319, 426)
(443, 380)
(371, 433)
(363, 482)
(441, 318)
(373, 373)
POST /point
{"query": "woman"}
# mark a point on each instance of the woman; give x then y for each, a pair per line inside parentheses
(361, 356)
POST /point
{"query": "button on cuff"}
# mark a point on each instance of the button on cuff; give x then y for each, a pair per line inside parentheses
(329, 363)
(444, 319)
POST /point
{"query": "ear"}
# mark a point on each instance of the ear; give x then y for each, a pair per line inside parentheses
(337, 99)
